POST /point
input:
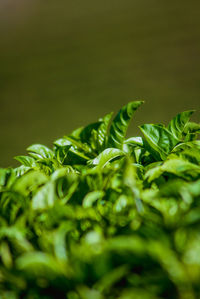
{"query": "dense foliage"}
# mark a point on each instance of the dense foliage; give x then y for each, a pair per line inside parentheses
(102, 216)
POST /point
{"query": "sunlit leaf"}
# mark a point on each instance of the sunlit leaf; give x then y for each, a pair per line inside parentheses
(39, 151)
(106, 156)
(160, 141)
(120, 124)
(26, 160)
(178, 124)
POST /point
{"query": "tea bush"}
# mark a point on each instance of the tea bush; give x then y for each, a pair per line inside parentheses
(101, 216)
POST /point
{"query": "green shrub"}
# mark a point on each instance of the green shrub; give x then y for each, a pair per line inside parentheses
(102, 216)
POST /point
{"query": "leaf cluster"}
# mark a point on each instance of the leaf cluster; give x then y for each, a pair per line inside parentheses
(102, 216)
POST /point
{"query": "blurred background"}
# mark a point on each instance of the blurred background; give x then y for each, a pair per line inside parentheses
(65, 63)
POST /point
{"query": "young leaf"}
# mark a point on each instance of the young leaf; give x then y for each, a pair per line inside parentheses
(39, 151)
(134, 141)
(106, 156)
(61, 149)
(78, 144)
(26, 160)
(191, 131)
(76, 133)
(103, 130)
(86, 133)
(90, 135)
(160, 141)
(19, 171)
(178, 123)
(120, 124)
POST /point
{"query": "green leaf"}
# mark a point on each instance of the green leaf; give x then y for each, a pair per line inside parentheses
(135, 141)
(39, 151)
(43, 263)
(45, 197)
(16, 237)
(133, 244)
(85, 221)
(86, 133)
(106, 156)
(180, 167)
(130, 179)
(76, 157)
(191, 127)
(176, 166)
(78, 144)
(120, 124)
(191, 131)
(29, 182)
(159, 141)
(5, 255)
(76, 133)
(103, 130)
(19, 171)
(61, 150)
(194, 188)
(4, 173)
(26, 160)
(62, 142)
(59, 241)
(178, 123)
(92, 135)
(91, 197)
(153, 173)
(112, 278)
(62, 172)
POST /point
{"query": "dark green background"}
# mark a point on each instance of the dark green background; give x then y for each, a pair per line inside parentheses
(66, 63)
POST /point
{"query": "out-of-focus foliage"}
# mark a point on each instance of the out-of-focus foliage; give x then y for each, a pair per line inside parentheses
(102, 216)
